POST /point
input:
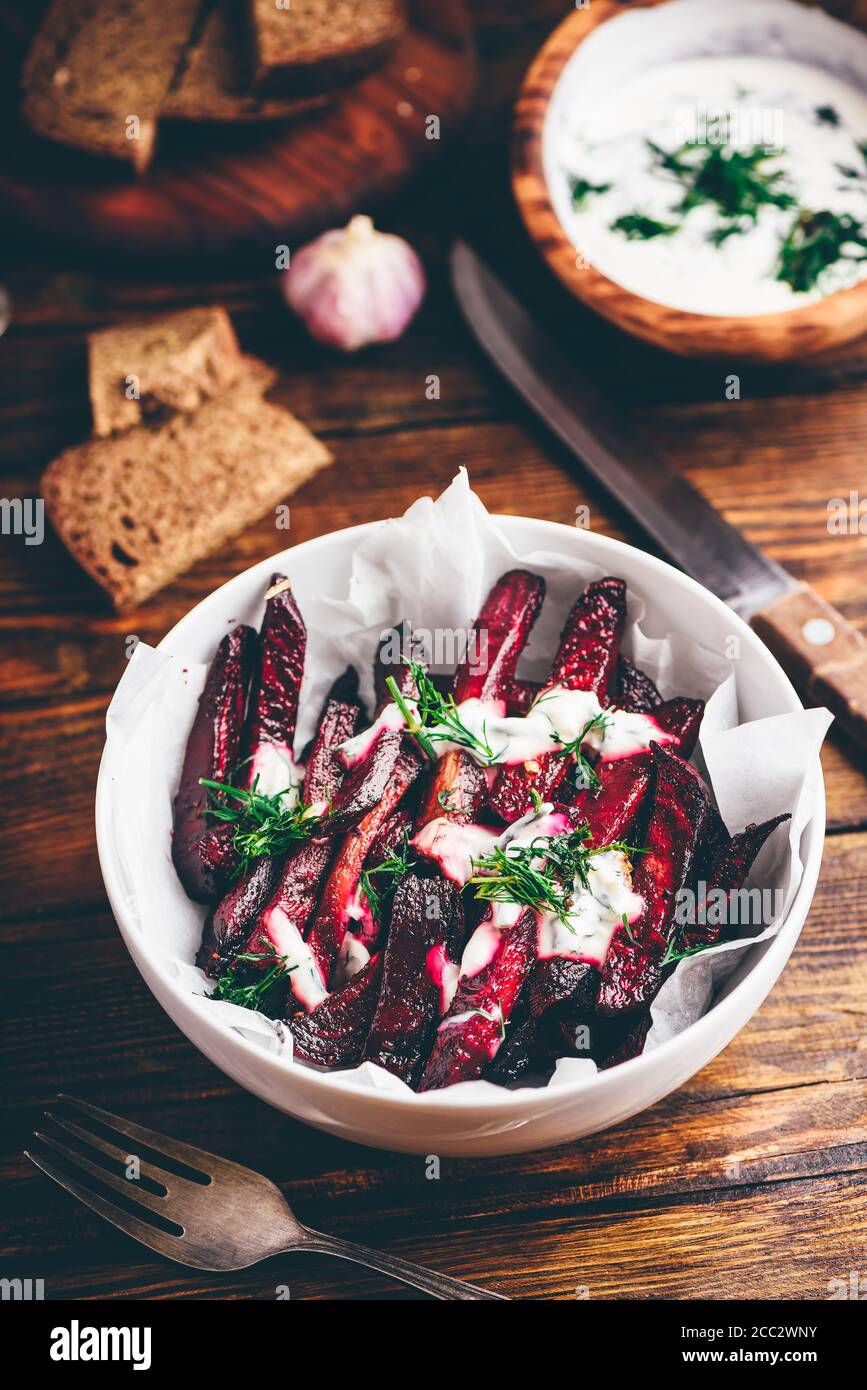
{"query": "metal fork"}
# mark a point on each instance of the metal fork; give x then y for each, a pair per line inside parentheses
(230, 1219)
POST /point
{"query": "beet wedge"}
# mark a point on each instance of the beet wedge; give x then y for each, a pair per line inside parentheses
(611, 810)
(273, 713)
(324, 773)
(520, 695)
(522, 1052)
(278, 933)
(365, 784)
(390, 836)
(470, 1034)
(229, 925)
(633, 969)
(338, 895)
(609, 814)
(333, 1034)
(458, 787)
(733, 860)
(635, 691)
(629, 1045)
(586, 660)
(396, 645)
(425, 932)
(498, 637)
(202, 851)
(681, 720)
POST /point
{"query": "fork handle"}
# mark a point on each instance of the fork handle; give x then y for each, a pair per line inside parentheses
(438, 1285)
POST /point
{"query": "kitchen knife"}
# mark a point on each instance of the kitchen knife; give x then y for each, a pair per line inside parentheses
(825, 656)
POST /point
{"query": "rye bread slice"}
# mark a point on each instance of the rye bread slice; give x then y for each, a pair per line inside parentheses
(140, 508)
(96, 63)
(213, 84)
(174, 362)
(303, 45)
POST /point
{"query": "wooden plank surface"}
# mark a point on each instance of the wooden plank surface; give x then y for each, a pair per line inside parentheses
(750, 1180)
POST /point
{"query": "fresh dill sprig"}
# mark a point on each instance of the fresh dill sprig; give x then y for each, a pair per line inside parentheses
(827, 115)
(589, 776)
(253, 995)
(734, 181)
(581, 189)
(636, 226)
(540, 875)
(672, 955)
(393, 868)
(815, 241)
(263, 825)
(436, 718)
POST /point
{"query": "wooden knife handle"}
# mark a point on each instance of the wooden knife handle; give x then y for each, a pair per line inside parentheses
(822, 653)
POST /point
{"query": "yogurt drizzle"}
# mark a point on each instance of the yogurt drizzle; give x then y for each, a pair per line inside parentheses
(557, 718)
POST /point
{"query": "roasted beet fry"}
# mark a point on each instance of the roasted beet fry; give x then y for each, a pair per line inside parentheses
(274, 699)
(324, 772)
(590, 643)
(633, 968)
(396, 645)
(229, 925)
(630, 1045)
(681, 719)
(635, 690)
(333, 1034)
(520, 695)
(728, 871)
(585, 660)
(293, 899)
(498, 637)
(201, 851)
(611, 810)
(470, 1034)
(522, 1051)
(390, 836)
(426, 926)
(364, 785)
(457, 789)
(329, 927)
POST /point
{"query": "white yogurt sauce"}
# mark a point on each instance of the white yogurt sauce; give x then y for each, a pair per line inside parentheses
(277, 772)
(353, 957)
(600, 135)
(305, 978)
(557, 717)
(597, 912)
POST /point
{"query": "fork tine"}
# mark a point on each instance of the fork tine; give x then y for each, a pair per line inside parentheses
(130, 1190)
(170, 1181)
(139, 1230)
(205, 1163)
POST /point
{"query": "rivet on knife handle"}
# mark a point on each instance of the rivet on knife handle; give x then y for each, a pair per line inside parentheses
(822, 653)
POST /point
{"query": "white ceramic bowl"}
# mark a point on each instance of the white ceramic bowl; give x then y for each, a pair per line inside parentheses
(446, 1122)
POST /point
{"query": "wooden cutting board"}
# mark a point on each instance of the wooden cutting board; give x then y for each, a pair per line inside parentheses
(214, 190)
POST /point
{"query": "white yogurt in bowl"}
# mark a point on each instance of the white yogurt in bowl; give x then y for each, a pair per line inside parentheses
(713, 158)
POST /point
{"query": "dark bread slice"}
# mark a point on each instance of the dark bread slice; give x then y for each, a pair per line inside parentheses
(180, 360)
(304, 45)
(140, 508)
(213, 84)
(96, 63)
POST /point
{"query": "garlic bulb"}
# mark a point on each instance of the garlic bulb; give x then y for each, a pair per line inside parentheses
(355, 286)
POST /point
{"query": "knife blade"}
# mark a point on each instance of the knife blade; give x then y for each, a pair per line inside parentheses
(667, 507)
(823, 653)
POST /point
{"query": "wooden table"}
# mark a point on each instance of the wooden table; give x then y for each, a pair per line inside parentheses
(749, 1181)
